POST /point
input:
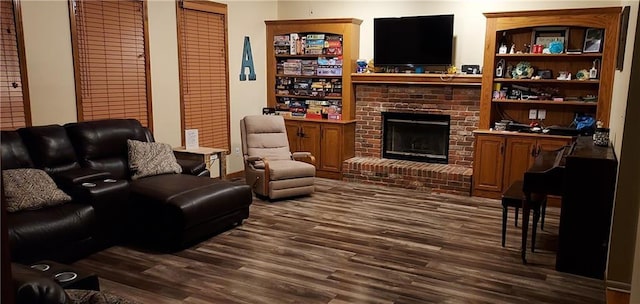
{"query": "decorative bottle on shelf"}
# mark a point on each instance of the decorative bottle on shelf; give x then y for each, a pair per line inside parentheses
(503, 44)
(593, 73)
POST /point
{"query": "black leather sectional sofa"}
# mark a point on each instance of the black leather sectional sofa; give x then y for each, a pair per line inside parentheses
(163, 212)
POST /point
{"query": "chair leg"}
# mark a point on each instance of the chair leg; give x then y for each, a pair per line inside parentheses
(517, 212)
(504, 224)
(544, 211)
(536, 218)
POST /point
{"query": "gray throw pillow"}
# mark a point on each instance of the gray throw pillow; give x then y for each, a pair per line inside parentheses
(30, 189)
(151, 158)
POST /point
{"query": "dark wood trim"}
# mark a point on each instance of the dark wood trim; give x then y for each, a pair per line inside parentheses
(205, 6)
(76, 64)
(26, 100)
(147, 64)
(314, 21)
(179, 20)
(237, 174)
(558, 12)
(76, 54)
(400, 78)
(226, 50)
(208, 7)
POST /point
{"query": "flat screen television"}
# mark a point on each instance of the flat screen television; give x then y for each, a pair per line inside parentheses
(413, 41)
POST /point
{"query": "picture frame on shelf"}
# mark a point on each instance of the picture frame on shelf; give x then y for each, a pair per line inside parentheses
(593, 40)
(545, 35)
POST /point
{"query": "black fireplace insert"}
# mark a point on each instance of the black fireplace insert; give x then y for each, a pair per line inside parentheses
(416, 136)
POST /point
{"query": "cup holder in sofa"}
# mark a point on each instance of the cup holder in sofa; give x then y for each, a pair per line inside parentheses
(65, 276)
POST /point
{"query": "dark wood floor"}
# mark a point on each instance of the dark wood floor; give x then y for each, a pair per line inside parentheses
(354, 243)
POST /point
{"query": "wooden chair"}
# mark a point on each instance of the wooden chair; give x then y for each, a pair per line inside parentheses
(513, 197)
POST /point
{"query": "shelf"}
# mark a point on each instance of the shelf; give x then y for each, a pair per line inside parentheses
(404, 78)
(573, 81)
(310, 97)
(308, 55)
(308, 76)
(547, 102)
(547, 56)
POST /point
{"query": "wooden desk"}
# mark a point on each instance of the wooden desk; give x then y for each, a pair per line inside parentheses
(207, 155)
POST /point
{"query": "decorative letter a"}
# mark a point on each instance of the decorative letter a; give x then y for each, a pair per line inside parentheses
(247, 61)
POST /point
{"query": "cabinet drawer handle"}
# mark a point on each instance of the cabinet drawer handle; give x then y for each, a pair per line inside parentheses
(501, 148)
(533, 151)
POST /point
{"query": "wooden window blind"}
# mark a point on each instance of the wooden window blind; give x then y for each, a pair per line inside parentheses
(204, 85)
(14, 91)
(111, 59)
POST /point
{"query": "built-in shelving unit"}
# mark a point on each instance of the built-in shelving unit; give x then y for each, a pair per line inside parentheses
(500, 158)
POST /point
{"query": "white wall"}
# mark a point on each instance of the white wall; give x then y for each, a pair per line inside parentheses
(246, 18)
(47, 39)
(165, 84)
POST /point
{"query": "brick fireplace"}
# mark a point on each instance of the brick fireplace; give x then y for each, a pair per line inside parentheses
(460, 102)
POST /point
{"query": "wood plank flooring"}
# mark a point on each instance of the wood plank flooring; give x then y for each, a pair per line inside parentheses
(354, 243)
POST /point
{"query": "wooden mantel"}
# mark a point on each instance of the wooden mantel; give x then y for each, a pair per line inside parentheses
(405, 78)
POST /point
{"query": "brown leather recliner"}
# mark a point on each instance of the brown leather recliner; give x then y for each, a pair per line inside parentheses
(270, 168)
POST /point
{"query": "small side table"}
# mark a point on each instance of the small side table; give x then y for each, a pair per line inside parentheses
(207, 155)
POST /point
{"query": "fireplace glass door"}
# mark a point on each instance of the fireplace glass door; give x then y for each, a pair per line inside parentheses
(416, 136)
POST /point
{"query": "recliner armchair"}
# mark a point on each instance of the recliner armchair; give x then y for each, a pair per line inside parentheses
(270, 168)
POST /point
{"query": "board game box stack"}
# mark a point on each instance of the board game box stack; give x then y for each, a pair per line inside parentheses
(314, 54)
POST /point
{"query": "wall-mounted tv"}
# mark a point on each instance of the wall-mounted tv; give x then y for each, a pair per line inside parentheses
(413, 41)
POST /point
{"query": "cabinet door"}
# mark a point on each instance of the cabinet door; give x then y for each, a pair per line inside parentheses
(331, 148)
(518, 158)
(293, 129)
(488, 163)
(310, 139)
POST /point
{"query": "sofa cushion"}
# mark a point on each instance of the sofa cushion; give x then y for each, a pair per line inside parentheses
(266, 137)
(183, 200)
(50, 148)
(102, 144)
(285, 169)
(39, 232)
(30, 189)
(151, 158)
(14, 151)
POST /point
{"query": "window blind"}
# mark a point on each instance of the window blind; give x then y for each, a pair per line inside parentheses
(111, 58)
(203, 69)
(14, 92)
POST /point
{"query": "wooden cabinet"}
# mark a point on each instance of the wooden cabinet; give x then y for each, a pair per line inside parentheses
(330, 142)
(309, 66)
(522, 151)
(488, 163)
(501, 158)
(304, 137)
(560, 99)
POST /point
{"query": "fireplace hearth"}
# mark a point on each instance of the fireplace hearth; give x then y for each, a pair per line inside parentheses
(416, 136)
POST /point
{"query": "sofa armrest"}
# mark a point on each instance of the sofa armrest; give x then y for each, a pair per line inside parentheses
(32, 286)
(69, 178)
(193, 167)
(304, 157)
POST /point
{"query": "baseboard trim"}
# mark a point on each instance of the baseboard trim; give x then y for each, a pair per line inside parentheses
(618, 286)
(238, 174)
